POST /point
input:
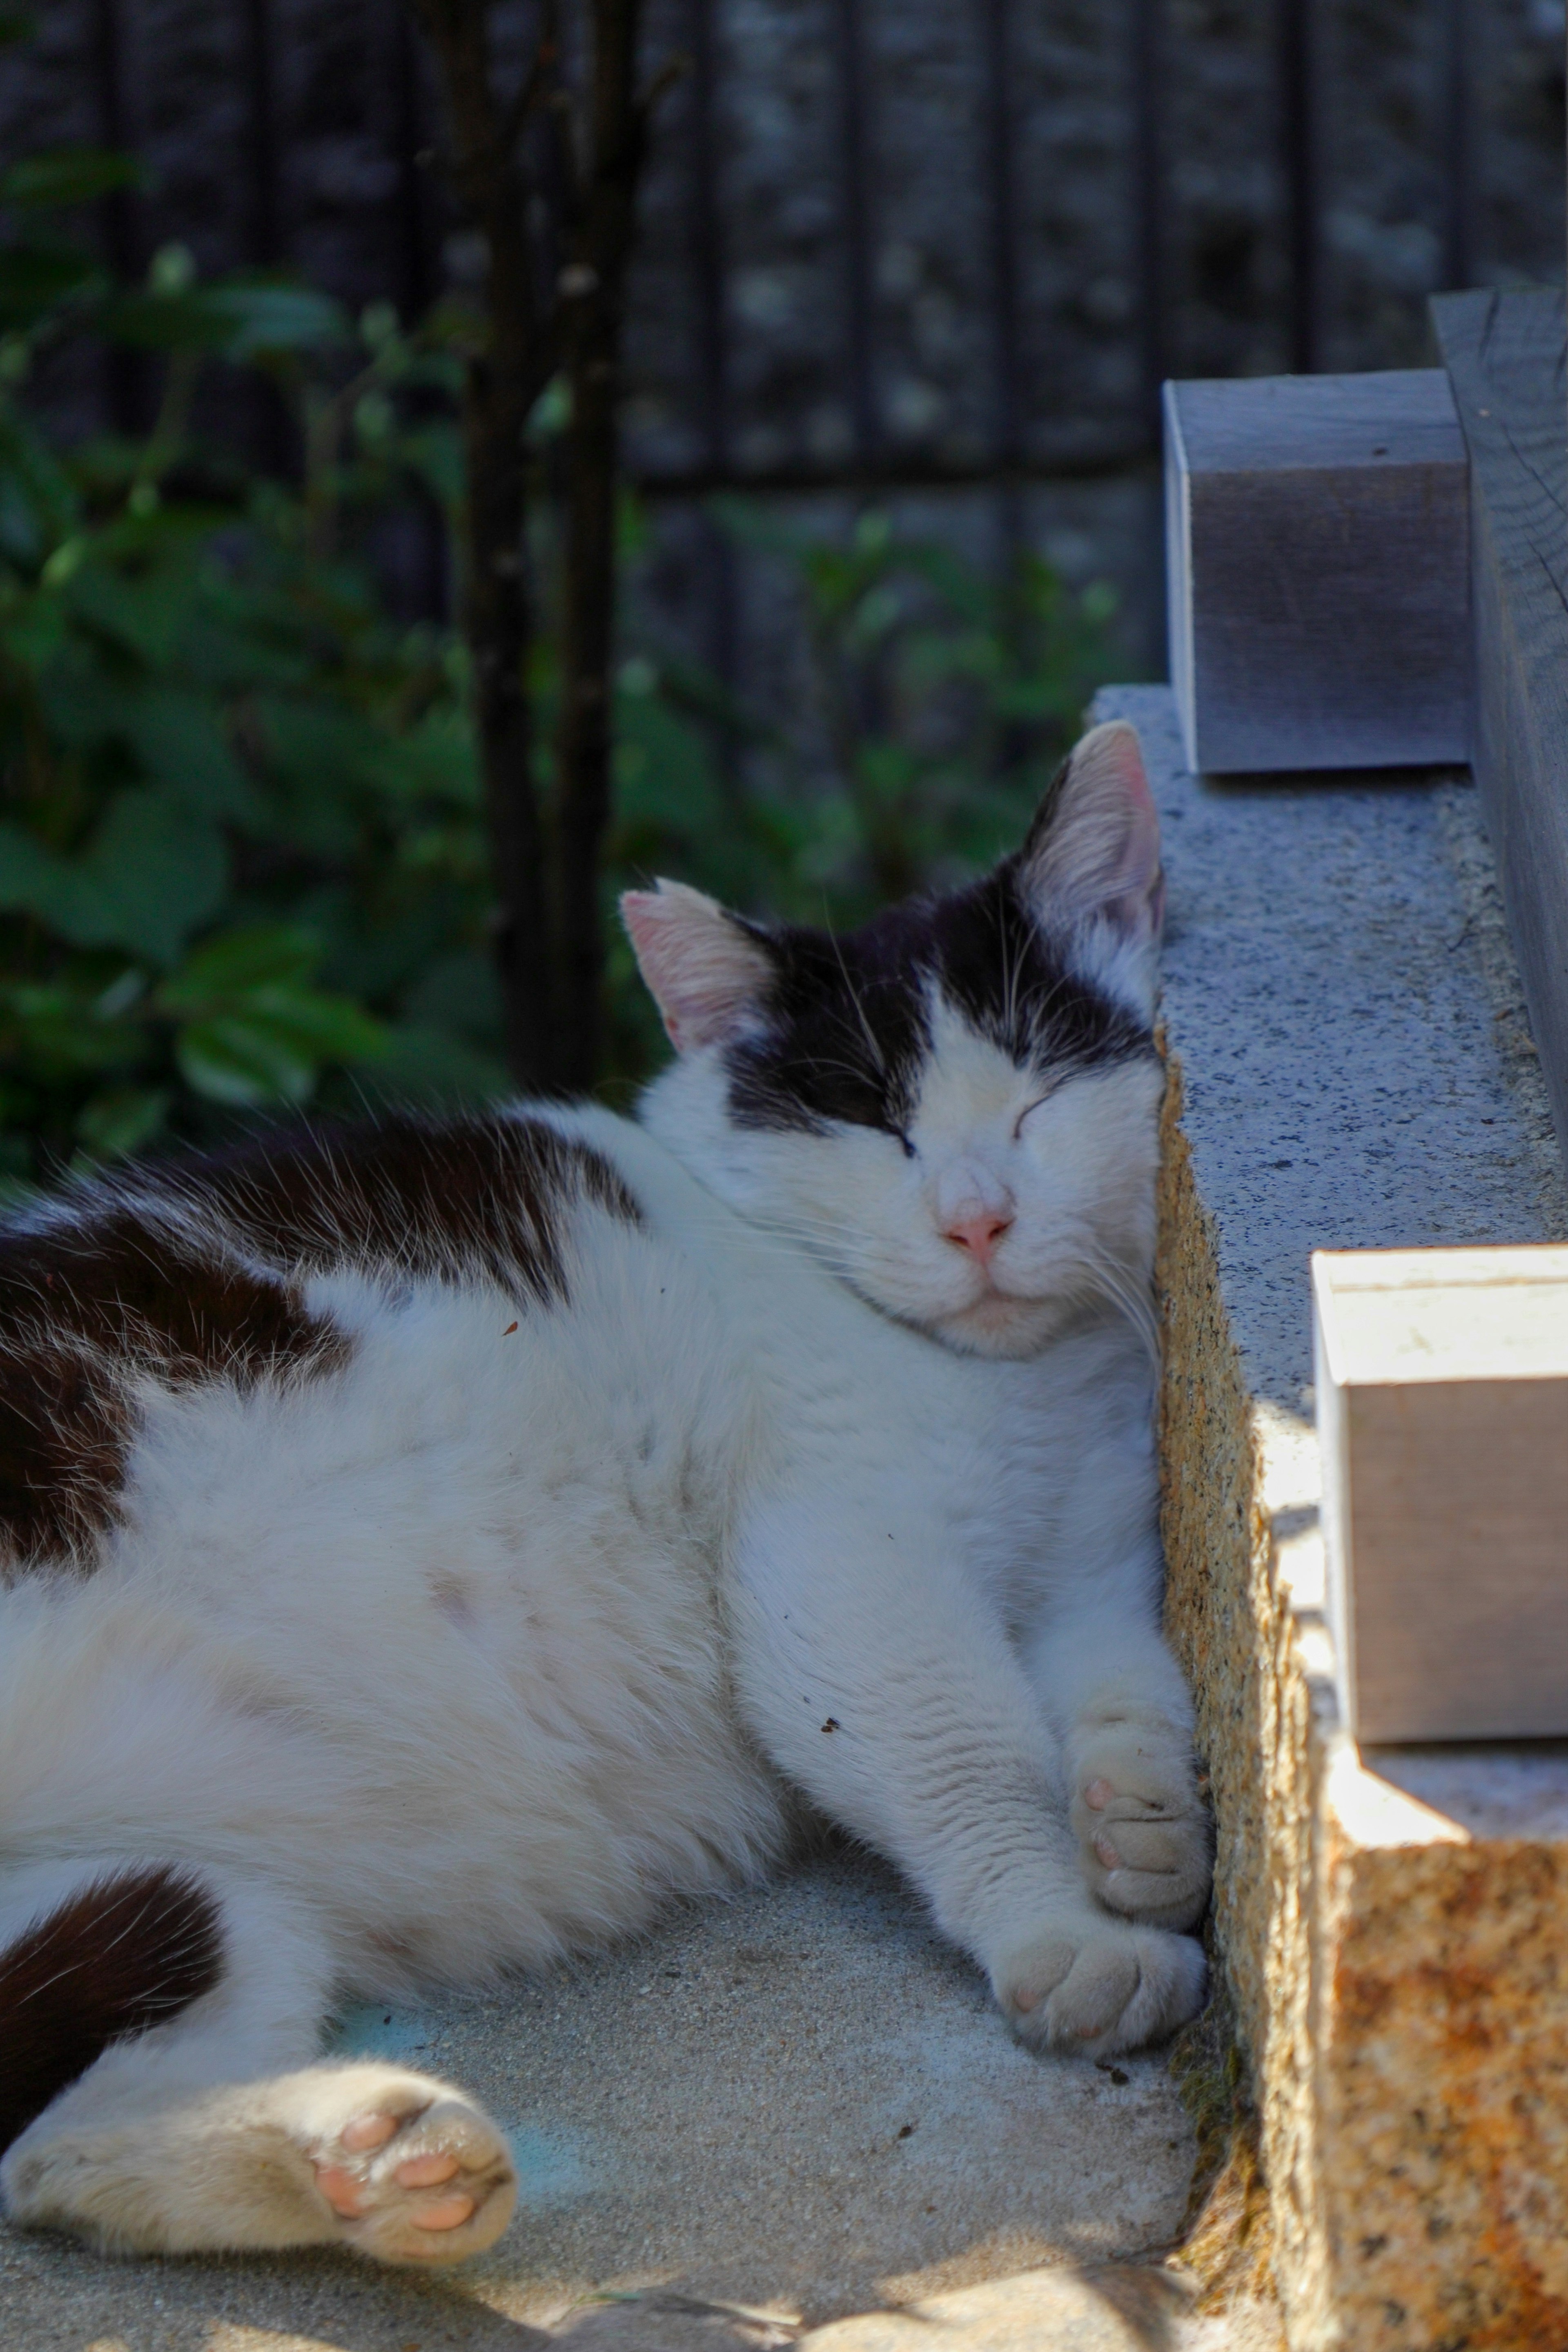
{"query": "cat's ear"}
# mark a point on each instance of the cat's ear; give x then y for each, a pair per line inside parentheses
(1090, 866)
(704, 969)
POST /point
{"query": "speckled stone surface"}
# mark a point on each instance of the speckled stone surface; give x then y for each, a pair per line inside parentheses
(1338, 1032)
(1350, 1067)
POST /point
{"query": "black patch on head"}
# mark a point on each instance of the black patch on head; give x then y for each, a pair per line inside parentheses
(130, 1950)
(844, 1025)
(846, 1031)
(1015, 987)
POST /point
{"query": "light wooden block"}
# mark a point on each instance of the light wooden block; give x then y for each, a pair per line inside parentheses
(1317, 571)
(1443, 1421)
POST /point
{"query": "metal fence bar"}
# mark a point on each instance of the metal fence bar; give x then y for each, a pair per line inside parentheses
(1458, 147)
(262, 227)
(1298, 93)
(897, 469)
(1148, 163)
(264, 240)
(125, 373)
(415, 284)
(1015, 439)
(707, 239)
(854, 110)
(722, 572)
(1003, 193)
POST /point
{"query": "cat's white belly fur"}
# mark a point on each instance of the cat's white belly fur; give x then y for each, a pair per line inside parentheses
(449, 1636)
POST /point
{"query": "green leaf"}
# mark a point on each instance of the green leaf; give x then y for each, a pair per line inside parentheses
(231, 1059)
(120, 1119)
(273, 1047)
(238, 319)
(328, 1028)
(141, 615)
(426, 1063)
(33, 880)
(262, 955)
(60, 176)
(82, 702)
(48, 1027)
(36, 475)
(157, 873)
(180, 742)
(35, 279)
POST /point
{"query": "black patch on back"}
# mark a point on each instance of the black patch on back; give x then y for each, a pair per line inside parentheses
(92, 1304)
(196, 1272)
(129, 1951)
(844, 1027)
(450, 1201)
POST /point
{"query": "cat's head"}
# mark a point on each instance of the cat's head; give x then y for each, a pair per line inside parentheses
(955, 1105)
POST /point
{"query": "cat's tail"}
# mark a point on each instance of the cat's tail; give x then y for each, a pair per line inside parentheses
(125, 1947)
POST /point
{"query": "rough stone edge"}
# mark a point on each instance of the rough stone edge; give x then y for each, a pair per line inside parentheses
(1245, 2069)
(1463, 835)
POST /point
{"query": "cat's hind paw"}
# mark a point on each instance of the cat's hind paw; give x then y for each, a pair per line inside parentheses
(1099, 1986)
(1141, 1823)
(411, 2170)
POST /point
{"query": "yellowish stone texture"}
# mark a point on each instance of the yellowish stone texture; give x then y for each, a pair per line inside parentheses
(1399, 1966)
(1350, 1067)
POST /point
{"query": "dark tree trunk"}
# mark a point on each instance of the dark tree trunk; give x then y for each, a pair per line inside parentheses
(503, 378)
(547, 862)
(593, 297)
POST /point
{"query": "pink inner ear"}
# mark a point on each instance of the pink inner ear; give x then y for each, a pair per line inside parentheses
(1102, 853)
(702, 969)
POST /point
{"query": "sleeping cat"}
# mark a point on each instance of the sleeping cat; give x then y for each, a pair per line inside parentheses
(435, 1546)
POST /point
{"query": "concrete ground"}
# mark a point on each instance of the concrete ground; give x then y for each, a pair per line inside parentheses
(799, 2101)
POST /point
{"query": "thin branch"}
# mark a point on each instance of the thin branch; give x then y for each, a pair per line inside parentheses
(546, 57)
(674, 69)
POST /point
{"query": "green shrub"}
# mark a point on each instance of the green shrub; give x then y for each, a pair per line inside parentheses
(242, 856)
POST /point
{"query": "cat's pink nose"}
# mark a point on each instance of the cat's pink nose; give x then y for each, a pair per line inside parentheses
(979, 1234)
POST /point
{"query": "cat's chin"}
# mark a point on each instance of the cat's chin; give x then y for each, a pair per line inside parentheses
(998, 1326)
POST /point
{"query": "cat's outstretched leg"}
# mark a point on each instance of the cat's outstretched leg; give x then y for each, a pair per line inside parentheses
(1116, 1696)
(155, 2029)
(879, 1680)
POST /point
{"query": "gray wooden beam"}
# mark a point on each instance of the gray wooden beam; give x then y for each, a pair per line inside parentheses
(1505, 357)
(1317, 571)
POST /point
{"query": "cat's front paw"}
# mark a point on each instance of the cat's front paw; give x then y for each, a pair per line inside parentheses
(1141, 1823)
(1098, 1986)
(410, 2169)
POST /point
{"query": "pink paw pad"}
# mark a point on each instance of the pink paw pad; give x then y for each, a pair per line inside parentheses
(343, 2192)
(367, 2131)
(349, 2194)
(448, 2213)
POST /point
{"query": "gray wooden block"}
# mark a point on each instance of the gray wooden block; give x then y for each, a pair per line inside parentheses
(1443, 1422)
(1506, 355)
(1316, 550)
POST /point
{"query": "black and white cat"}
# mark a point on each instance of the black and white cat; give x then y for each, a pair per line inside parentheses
(431, 1547)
